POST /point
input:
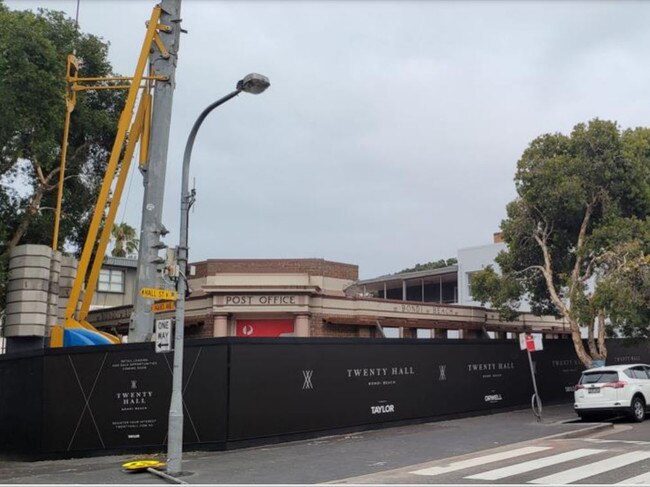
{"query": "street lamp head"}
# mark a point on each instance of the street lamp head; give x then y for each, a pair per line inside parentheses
(253, 83)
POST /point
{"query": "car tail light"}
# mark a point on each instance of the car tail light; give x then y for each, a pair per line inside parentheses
(579, 386)
(616, 385)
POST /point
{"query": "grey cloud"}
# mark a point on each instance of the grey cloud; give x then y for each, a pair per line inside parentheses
(391, 130)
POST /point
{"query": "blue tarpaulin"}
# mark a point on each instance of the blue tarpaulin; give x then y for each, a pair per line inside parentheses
(75, 337)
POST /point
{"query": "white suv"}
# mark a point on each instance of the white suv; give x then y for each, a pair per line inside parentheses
(619, 388)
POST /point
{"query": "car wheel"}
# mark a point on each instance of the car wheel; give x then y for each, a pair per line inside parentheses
(637, 409)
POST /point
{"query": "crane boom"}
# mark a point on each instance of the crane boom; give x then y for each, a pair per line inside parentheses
(130, 130)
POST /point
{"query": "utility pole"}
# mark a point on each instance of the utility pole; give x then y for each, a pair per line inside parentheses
(151, 227)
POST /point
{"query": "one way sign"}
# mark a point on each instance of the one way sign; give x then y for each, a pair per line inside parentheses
(163, 335)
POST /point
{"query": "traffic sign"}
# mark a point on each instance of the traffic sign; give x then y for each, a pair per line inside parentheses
(163, 306)
(532, 343)
(153, 293)
(163, 335)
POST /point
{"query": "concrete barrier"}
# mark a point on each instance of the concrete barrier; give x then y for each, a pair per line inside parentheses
(28, 284)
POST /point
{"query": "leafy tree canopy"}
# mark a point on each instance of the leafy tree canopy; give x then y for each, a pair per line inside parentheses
(434, 264)
(33, 51)
(578, 234)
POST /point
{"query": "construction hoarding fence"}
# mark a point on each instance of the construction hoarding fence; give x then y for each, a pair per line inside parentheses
(238, 391)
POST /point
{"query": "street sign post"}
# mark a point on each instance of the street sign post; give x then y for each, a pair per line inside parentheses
(154, 293)
(163, 335)
(533, 343)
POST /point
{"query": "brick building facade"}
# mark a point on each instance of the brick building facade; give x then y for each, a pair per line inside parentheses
(317, 298)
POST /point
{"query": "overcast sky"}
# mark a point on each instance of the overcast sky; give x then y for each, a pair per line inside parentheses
(391, 130)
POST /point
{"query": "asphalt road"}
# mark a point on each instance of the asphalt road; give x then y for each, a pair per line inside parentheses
(620, 454)
(330, 459)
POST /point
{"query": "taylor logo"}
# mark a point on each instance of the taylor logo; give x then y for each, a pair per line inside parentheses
(307, 376)
(493, 397)
(383, 409)
(441, 371)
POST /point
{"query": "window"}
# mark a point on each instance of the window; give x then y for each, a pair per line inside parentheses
(637, 373)
(470, 278)
(111, 281)
(423, 333)
(598, 377)
(391, 332)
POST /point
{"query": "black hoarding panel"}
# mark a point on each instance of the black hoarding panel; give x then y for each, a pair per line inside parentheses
(289, 388)
(118, 397)
(557, 370)
(21, 384)
(626, 351)
(106, 399)
(205, 393)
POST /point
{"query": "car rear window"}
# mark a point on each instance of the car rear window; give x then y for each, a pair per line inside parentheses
(598, 377)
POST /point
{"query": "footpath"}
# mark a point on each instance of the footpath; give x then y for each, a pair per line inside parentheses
(320, 460)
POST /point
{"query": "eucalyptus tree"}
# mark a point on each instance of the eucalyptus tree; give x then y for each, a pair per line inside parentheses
(578, 235)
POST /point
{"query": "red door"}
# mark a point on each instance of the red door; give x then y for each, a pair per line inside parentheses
(264, 328)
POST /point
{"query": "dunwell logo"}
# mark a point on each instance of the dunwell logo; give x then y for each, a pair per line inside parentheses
(307, 384)
(382, 408)
(493, 397)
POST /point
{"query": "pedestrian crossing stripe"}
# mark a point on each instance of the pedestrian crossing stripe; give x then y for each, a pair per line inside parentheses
(531, 465)
(483, 460)
(568, 476)
(643, 479)
(591, 469)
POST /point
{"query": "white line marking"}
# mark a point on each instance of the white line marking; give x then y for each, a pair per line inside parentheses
(627, 442)
(524, 467)
(477, 461)
(643, 479)
(592, 469)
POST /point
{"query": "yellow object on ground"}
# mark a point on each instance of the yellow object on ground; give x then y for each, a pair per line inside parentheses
(142, 465)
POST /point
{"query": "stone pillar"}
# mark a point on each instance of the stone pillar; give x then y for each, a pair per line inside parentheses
(220, 327)
(27, 297)
(438, 333)
(465, 334)
(406, 332)
(301, 325)
(66, 279)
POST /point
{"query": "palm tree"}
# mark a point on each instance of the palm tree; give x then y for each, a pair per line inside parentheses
(125, 242)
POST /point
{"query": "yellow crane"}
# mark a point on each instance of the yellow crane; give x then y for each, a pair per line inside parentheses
(133, 127)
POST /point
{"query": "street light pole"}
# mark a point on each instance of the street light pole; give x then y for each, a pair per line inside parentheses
(255, 84)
